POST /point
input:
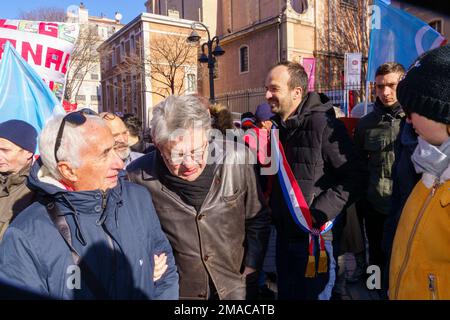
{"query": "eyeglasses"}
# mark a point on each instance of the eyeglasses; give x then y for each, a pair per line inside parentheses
(77, 118)
(111, 116)
(195, 155)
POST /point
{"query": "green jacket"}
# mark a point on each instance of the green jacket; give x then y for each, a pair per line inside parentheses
(14, 197)
(374, 138)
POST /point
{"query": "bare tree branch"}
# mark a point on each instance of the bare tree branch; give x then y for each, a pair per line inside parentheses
(85, 58)
(44, 14)
(168, 61)
(345, 30)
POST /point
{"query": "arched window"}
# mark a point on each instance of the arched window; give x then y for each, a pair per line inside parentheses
(191, 82)
(300, 6)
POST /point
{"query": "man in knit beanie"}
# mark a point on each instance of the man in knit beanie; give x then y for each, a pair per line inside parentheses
(420, 258)
(17, 147)
(262, 115)
(248, 121)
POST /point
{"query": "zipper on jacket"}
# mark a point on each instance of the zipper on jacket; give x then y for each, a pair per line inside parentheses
(432, 286)
(114, 260)
(103, 216)
(104, 197)
(413, 233)
(110, 242)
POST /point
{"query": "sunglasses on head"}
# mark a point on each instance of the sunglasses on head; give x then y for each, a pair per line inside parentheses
(76, 118)
(111, 116)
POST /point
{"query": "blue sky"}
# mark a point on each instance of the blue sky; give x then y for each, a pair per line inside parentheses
(128, 8)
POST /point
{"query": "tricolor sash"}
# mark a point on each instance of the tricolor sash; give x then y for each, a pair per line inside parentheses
(299, 208)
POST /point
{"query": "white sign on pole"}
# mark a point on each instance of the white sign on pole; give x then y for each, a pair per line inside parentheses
(352, 69)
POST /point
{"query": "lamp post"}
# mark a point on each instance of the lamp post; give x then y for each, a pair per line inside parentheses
(194, 37)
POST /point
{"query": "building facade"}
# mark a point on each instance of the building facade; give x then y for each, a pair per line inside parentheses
(196, 10)
(257, 34)
(83, 85)
(146, 61)
(438, 20)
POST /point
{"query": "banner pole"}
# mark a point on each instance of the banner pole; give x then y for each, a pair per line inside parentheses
(367, 96)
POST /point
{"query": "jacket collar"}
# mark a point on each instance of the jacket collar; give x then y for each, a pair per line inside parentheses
(408, 136)
(311, 103)
(86, 202)
(7, 182)
(391, 112)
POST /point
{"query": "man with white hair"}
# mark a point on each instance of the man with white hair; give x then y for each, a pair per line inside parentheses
(91, 235)
(208, 200)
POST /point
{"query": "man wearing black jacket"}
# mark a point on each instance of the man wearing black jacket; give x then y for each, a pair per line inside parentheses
(375, 137)
(327, 170)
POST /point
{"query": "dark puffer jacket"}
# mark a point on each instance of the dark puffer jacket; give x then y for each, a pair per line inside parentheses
(116, 233)
(404, 178)
(324, 162)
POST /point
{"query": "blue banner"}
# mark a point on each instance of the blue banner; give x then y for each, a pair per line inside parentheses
(397, 36)
(23, 94)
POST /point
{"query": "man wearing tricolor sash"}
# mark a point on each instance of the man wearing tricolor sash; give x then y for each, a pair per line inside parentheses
(319, 175)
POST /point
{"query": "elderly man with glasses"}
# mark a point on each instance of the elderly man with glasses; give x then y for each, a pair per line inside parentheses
(121, 134)
(208, 201)
(90, 235)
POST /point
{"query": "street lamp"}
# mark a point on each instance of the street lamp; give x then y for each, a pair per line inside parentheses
(209, 58)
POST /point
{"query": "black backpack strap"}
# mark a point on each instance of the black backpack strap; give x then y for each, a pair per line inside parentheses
(89, 277)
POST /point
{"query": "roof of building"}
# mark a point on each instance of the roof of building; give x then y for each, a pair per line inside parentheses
(155, 18)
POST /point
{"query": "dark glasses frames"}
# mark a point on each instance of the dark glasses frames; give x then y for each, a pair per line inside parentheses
(77, 118)
(111, 116)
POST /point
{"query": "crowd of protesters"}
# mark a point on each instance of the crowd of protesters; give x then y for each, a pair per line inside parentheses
(99, 213)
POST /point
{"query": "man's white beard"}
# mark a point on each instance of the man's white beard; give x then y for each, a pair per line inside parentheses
(124, 154)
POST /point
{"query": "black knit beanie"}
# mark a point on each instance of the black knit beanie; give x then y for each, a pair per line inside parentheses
(20, 133)
(425, 89)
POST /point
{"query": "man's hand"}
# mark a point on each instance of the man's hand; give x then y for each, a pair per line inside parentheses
(160, 266)
(248, 270)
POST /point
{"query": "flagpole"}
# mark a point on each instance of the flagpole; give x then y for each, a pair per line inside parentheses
(367, 96)
(345, 83)
(369, 63)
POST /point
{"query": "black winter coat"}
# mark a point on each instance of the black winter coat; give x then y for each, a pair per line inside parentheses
(115, 232)
(324, 162)
(405, 179)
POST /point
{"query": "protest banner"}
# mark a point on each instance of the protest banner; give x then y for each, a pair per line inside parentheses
(46, 46)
